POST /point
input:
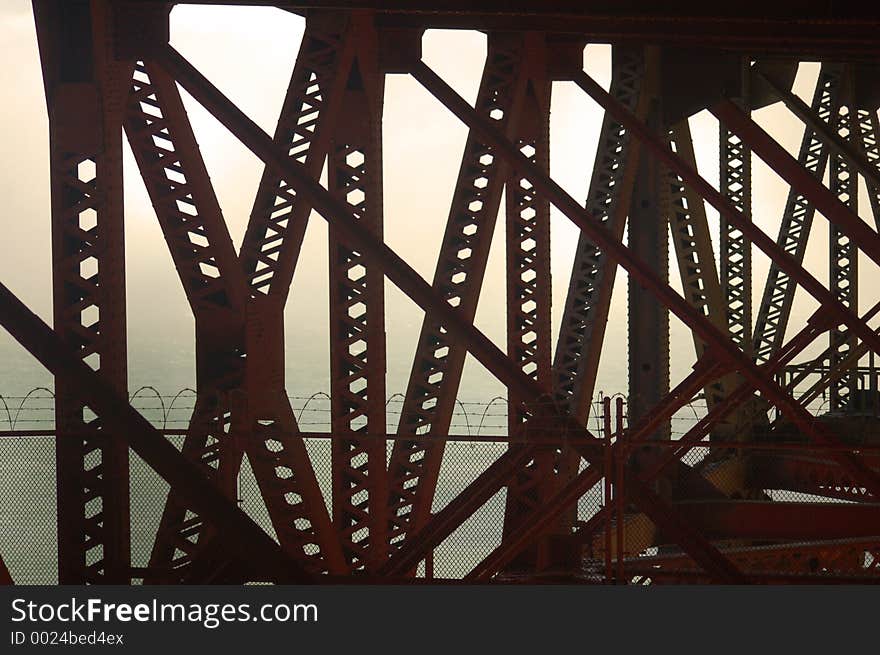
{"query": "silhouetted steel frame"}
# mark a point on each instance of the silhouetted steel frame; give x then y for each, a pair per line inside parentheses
(720, 345)
(411, 283)
(518, 384)
(501, 142)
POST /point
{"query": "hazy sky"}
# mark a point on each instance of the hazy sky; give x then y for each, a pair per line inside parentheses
(249, 53)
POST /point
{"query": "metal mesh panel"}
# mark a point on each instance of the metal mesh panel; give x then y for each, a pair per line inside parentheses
(792, 474)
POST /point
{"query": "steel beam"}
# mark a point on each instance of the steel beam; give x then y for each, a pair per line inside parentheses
(692, 244)
(817, 475)
(787, 167)
(647, 317)
(829, 205)
(797, 219)
(814, 28)
(585, 313)
(240, 405)
(824, 558)
(357, 313)
(791, 520)
(588, 300)
(843, 253)
(278, 220)
(85, 92)
(868, 138)
(839, 142)
(394, 267)
(544, 516)
(735, 250)
(528, 290)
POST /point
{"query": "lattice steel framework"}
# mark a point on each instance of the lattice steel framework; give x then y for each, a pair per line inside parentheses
(624, 506)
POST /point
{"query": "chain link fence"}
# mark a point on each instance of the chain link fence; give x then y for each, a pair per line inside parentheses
(28, 530)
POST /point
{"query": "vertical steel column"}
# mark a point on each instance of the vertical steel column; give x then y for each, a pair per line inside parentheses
(86, 91)
(439, 360)
(528, 284)
(648, 319)
(797, 220)
(843, 254)
(357, 315)
(735, 179)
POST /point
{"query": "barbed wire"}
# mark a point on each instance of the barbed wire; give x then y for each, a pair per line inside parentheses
(174, 410)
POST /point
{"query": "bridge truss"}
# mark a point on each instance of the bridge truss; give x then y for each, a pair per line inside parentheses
(709, 505)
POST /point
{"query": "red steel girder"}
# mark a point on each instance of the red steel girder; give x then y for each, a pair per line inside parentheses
(647, 236)
(278, 220)
(395, 269)
(787, 167)
(528, 288)
(756, 235)
(288, 485)
(441, 524)
(244, 538)
(754, 519)
(85, 93)
(357, 314)
(820, 561)
(435, 376)
(843, 143)
(815, 27)
(182, 532)
(588, 300)
(843, 255)
(544, 516)
(735, 251)
(868, 139)
(180, 189)
(692, 243)
(797, 219)
(813, 190)
(810, 474)
(356, 234)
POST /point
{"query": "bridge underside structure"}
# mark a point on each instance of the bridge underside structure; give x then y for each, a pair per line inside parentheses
(761, 488)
